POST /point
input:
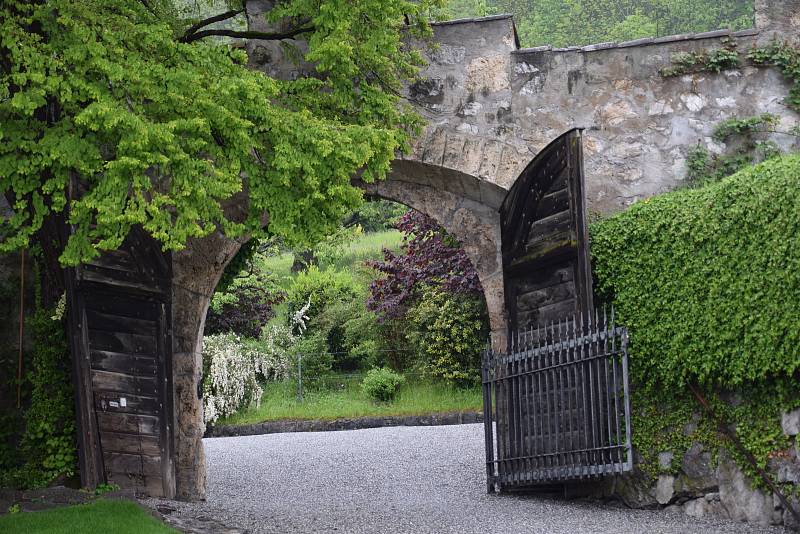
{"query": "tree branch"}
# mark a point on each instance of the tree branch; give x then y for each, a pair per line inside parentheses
(210, 20)
(246, 34)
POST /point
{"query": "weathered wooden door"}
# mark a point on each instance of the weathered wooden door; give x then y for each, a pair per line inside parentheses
(556, 399)
(122, 315)
(544, 237)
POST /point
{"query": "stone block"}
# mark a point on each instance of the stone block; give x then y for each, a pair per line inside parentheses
(665, 489)
(790, 422)
(743, 502)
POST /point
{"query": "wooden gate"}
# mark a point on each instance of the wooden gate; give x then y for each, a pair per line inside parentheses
(121, 313)
(556, 400)
(544, 238)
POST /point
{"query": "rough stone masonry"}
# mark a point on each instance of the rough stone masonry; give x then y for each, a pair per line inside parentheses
(491, 107)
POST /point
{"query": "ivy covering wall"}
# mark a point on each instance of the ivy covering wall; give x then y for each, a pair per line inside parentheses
(708, 281)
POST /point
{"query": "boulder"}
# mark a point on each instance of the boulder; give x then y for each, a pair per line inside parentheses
(741, 500)
(699, 475)
(665, 489)
(790, 422)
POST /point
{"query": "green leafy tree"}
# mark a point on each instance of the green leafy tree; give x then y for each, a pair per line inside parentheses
(116, 113)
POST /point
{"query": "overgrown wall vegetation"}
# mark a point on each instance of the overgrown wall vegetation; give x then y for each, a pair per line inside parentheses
(708, 282)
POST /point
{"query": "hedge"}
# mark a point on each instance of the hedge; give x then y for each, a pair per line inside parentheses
(708, 280)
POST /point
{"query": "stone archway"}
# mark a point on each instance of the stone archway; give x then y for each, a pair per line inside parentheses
(464, 205)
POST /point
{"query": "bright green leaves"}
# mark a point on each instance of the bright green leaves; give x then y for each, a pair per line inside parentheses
(101, 98)
(704, 278)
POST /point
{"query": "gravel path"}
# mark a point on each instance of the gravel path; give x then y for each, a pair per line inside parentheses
(393, 480)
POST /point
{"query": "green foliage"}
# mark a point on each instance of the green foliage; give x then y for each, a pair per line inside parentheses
(321, 288)
(280, 401)
(104, 488)
(161, 132)
(666, 420)
(377, 216)
(787, 58)
(317, 361)
(746, 143)
(381, 384)
(671, 420)
(717, 60)
(779, 54)
(449, 334)
(48, 443)
(747, 127)
(352, 334)
(701, 277)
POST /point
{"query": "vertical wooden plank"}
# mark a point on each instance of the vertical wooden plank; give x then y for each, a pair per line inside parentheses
(583, 267)
(167, 412)
(90, 456)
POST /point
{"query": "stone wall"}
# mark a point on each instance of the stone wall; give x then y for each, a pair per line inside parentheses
(710, 483)
(491, 106)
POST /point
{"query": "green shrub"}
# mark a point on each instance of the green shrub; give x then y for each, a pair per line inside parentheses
(707, 279)
(381, 384)
(352, 333)
(321, 288)
(317, 362)
(449, 333)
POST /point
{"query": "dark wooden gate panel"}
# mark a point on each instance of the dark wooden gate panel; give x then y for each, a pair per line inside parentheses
(122, 305)
(544, 238)
(555, 400)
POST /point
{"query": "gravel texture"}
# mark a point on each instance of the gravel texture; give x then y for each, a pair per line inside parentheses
(400, 479)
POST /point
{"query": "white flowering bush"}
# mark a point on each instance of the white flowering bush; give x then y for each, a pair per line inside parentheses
(235, 369)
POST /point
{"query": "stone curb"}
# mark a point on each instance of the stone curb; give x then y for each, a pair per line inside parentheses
(318, 425)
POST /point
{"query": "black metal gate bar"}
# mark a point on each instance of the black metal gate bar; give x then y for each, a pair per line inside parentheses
(557, 405)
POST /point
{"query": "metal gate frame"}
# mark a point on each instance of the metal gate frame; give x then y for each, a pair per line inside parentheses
(561, 408)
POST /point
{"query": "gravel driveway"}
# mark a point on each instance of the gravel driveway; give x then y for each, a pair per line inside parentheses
(401, 479)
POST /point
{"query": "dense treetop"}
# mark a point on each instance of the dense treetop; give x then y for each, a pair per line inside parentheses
(129, 112)
(579, 22)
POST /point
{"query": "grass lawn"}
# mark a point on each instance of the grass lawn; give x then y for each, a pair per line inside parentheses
(349, 257)
(101, 517)
(345, 399)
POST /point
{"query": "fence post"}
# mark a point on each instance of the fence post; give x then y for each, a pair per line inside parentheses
(300, 377)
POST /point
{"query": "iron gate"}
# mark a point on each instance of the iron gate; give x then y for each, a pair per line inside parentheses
(556, 400)
(557, 405)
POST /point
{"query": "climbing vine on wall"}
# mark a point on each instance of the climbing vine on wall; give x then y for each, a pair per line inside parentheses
(782, 55)
(746, 142)
(711, 61)
(44, 429)
(701, 278)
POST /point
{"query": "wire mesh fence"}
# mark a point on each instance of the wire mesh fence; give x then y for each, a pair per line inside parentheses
(307, 376)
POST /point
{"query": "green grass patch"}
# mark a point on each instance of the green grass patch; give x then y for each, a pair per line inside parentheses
(343, 398)
(366, 247)
(348, 257)
(101, 517)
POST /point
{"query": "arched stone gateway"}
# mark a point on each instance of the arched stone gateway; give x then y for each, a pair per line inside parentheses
(491, 107)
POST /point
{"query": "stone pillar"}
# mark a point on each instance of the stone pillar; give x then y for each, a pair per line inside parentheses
(778, 19)
(196, 272)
